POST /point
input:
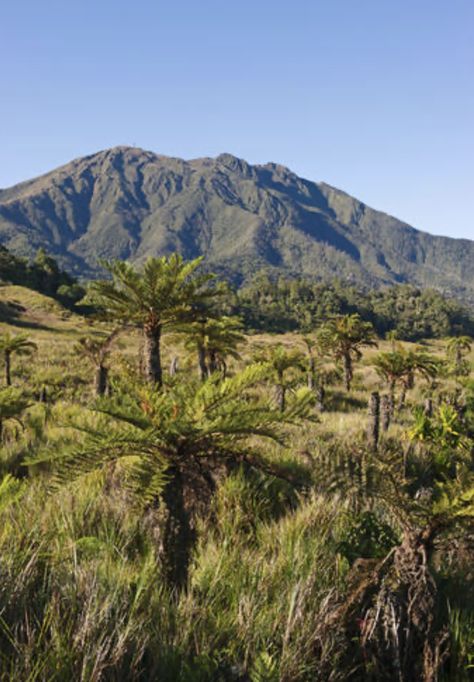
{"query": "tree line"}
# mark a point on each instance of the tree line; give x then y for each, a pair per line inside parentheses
(289, 304)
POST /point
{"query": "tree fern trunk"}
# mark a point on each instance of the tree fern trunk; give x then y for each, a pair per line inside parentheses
(281, 397)
(8, 377)
(418, 642)
(152, 354)
(101, 376)
(458, 368)
(374, 420)
(178, 536)
(392, 398)
(386, 406)
(224, 368)
(213, 366)
(311, 374)
(203, 371)
(390, 611)
(347, 371)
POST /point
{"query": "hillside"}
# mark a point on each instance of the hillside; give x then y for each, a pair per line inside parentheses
(130, 203)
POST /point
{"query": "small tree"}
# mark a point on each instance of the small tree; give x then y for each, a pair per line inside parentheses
(173, 445)
(166, 292)
(280, 361)
(214, 340)
(391, 367)
(97, 351)
(342, 337)
(458, 347)
(399, 367)
(416, 362)
(14, 345)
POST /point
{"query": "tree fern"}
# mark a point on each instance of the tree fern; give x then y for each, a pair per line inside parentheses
(172, 446)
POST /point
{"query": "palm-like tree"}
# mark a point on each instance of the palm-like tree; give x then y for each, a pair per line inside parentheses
(391, 367)
(172, 445)
(214, 340)
(342, 337)
(97, 350)
(416, 362)
(400, 367)
(167, 291)
(280, 361)
(14, 345)
(458, 347)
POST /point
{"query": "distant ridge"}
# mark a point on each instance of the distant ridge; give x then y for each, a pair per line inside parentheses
(129, 203)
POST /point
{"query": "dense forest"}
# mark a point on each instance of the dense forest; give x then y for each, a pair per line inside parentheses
(270, 484)
(298, 304)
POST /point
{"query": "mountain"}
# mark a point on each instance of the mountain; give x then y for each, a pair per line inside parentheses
(129, 203)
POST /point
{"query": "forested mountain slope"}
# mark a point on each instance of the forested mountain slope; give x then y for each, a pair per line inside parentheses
(130, 203)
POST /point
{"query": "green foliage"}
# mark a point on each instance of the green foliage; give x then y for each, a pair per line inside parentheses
(213, 340)
(10, 491)
(458, 347)
(284, 367)
(280, 359)
(410, 313)
(166, 292)
(343, 337)
(43, 275)
(19, 344)
(460, 665)
(265, 669)
(444, 429)
(152, 431)
(399, 366)
(366, 536)
(96, 348)
(12, 403)
(346, 334)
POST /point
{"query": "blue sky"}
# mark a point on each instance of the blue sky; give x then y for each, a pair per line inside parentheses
(375, 97)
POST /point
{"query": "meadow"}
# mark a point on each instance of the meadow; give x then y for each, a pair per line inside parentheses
(259, 522)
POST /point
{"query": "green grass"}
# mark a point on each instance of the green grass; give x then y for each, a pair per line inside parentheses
(82, 596)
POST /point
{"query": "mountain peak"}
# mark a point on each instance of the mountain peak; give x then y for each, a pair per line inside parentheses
(234, 164)
(130, 203)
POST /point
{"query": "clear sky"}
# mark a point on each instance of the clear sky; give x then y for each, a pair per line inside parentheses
(375, 97)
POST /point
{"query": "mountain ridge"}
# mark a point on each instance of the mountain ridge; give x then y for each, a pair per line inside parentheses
(129, 203)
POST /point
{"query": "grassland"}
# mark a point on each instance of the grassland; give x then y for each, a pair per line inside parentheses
(81, 594)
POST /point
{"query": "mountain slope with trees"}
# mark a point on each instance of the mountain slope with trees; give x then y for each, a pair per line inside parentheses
(129, 203)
